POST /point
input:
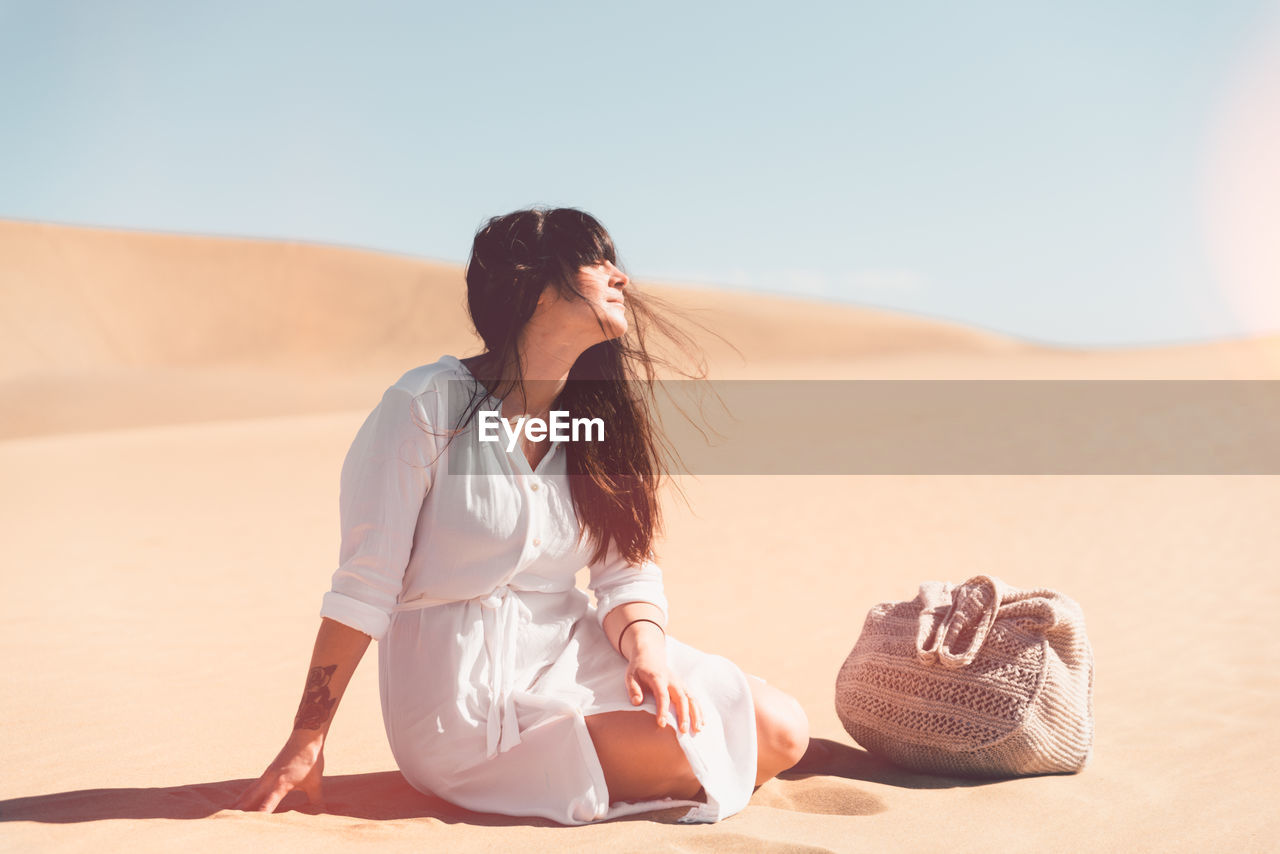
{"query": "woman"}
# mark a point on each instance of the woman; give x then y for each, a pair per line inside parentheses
(502, 689)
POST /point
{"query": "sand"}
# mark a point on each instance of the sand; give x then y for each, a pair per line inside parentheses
(174, 414)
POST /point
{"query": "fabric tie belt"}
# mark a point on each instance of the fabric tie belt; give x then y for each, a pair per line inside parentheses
(500, 612)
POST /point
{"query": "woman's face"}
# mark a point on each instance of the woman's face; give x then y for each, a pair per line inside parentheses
(602, 305)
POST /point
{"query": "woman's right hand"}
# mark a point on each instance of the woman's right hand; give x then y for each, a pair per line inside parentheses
(299, 765)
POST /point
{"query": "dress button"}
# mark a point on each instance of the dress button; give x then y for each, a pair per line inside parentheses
(537, 542)
(534, 487)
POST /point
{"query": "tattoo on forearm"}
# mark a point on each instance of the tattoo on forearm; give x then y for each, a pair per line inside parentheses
(316, 705)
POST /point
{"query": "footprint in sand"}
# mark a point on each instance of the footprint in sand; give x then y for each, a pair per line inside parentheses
(740, 843)
(819, 795)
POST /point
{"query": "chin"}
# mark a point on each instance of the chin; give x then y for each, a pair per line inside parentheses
(607, 324)
(614, 326)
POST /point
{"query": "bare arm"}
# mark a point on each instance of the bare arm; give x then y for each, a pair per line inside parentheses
(300, 763)
(338, 649)
(644, 646)
(639, 635)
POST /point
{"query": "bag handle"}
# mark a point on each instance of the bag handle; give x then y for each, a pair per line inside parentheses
(951, 615)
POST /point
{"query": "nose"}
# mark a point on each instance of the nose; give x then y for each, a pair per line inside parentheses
(616, 276)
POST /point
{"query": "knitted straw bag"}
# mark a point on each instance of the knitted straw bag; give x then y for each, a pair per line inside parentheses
(979, 679)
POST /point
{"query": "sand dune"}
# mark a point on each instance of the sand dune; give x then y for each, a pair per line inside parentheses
(82, 298)
(175, 410)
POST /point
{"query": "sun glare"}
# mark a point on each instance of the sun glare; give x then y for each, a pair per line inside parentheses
(1241, 189)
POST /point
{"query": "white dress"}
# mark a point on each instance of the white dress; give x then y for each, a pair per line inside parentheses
(460, 561)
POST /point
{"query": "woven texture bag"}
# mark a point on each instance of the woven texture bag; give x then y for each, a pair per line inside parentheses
(979, 679)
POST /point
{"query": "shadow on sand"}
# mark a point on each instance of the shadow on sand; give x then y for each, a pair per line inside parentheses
(385, 795)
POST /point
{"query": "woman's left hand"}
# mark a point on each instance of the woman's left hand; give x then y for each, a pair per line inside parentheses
(648, 669)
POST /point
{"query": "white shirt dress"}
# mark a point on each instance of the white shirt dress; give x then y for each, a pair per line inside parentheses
(460, 561)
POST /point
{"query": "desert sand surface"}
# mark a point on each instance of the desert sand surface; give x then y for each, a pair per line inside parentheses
(175, 410)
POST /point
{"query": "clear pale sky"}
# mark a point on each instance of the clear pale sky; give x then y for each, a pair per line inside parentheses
(1076, 173)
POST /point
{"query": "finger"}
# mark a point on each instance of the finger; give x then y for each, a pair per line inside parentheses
(697, 715)
(682, 708)
(634, 689)
(314, 790)
(678, 707)
(660, 694)
(273, 799)
(249, 796)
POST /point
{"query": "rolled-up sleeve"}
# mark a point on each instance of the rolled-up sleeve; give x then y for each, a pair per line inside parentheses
(615, 582)
(385, 478)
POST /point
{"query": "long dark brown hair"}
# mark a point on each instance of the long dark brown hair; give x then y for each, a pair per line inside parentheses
(614, 483)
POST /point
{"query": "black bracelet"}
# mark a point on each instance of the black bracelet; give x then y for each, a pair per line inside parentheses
(632, 623)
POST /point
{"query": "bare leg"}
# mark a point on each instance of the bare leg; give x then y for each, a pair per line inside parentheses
(782, 730)
(641, 760)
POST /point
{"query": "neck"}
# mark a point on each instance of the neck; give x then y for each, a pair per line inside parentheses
(545, 364)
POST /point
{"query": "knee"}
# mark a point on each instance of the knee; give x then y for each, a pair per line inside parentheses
(787, 730)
